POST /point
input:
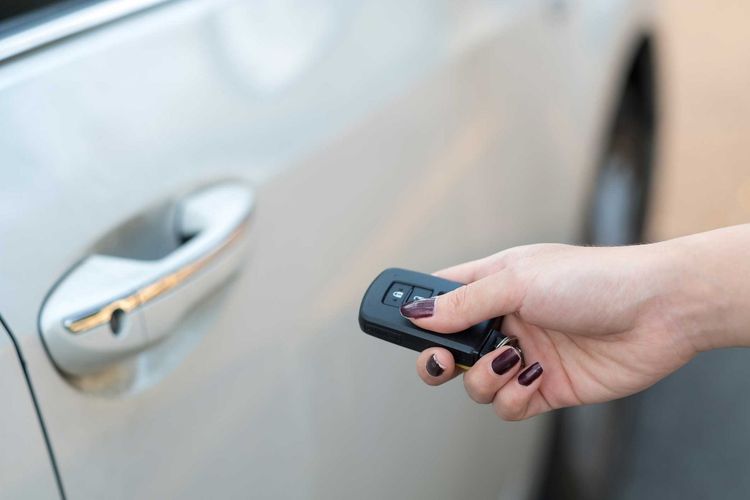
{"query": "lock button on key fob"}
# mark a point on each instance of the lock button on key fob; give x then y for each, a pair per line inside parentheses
(397, 294)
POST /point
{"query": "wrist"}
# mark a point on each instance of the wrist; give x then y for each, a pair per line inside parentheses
(705, 295)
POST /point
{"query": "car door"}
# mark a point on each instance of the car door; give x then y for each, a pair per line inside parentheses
(338, 139)
(26, 467)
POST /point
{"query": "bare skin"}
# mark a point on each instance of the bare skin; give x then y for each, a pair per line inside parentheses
(603, 323)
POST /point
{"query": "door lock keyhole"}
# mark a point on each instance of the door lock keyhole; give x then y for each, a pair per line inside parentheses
(117, 321)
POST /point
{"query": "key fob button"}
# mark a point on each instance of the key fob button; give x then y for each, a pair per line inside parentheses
(397, 294)
(419, 293)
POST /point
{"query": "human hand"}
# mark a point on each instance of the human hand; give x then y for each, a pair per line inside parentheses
(594, 324)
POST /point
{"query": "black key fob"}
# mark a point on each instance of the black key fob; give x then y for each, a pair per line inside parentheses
(380, 317)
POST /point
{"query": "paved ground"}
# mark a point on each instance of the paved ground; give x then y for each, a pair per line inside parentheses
(692, 440)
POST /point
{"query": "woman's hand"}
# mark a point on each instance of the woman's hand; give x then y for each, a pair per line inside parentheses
(594, 324)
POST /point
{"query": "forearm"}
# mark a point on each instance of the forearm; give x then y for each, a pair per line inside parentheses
(707, 281)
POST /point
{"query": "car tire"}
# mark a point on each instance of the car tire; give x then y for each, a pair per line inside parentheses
(590, 443)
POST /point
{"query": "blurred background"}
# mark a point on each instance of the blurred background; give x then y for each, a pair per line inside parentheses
(703, 179)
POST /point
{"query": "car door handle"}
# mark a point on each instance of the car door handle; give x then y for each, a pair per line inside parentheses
(110, 307)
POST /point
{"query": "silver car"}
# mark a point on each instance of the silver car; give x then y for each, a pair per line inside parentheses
(196, 193)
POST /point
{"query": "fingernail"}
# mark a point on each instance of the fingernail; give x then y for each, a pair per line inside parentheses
(505, 361)
(530, 374)
(433, 367)
(423, 308)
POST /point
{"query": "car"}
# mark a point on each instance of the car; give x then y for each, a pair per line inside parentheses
(197, 193)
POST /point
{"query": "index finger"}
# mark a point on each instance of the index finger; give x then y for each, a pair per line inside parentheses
(473, 270)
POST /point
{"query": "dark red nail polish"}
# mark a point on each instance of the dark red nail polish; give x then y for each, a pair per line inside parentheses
(423, 308)
(433, 367)
(505, 361)
(530, 374)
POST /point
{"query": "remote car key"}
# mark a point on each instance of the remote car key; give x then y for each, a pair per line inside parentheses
(380, 317)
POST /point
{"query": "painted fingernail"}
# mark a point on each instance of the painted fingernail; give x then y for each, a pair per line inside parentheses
(530, 374)
(505, 361)
(433, 367)
(423, 308)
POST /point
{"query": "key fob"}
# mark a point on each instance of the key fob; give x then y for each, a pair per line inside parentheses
(380, 317)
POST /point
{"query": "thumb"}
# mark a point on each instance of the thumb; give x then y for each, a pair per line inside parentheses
(495, 295)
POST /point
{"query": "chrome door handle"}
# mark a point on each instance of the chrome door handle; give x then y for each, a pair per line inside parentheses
(217, 237)
(109, 308)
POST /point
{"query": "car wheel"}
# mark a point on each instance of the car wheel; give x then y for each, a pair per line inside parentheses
(590, 445)
(618, 204)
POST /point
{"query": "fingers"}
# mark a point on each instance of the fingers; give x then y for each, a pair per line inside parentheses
(436, 366)
(521, 398)
(496, 378)
(491, 373)
(492, 296)
(471, 271)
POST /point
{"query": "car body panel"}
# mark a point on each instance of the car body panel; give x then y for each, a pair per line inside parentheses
(25, 467)
(372, 140)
